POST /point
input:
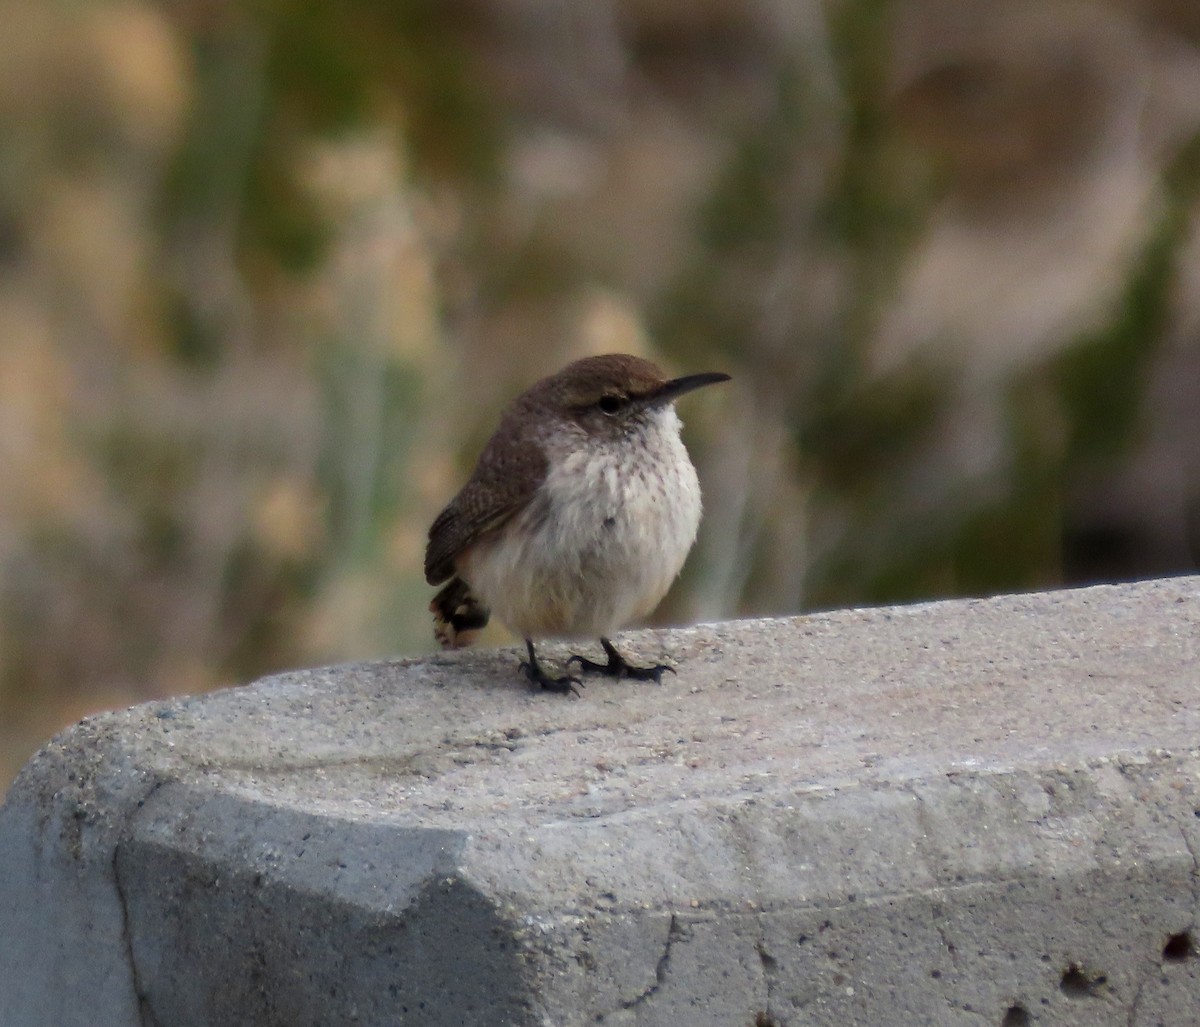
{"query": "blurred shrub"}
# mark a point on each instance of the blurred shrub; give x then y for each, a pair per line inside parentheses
(269, 269)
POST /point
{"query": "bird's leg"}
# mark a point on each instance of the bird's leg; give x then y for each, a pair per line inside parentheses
(617, 667)
(537, 676)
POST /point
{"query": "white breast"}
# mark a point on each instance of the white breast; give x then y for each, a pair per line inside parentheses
(601, 542)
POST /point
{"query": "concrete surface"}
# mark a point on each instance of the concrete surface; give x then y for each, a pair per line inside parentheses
(978, 813)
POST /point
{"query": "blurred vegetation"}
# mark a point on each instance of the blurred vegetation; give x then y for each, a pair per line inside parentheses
(269, 269)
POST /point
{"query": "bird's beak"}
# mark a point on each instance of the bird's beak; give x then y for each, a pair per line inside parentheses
(671, 390)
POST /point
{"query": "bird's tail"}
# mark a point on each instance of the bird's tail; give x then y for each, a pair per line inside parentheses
(458, 616)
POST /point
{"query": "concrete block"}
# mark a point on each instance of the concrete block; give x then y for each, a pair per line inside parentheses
(983, 813)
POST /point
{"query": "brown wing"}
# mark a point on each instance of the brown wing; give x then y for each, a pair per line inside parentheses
(510, 469)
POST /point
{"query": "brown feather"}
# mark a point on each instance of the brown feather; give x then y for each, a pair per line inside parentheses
(510, 469)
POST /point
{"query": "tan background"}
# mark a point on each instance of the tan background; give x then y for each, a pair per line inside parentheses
(268, 270)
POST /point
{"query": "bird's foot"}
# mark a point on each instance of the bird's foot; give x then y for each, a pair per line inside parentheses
(618, 667)
(533, 670)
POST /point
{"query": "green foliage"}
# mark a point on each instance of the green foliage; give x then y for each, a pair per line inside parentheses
(246, 259)
(1063, 422)
(275, 74)
(750, 205)
(863, 204)
(1102, 376)
(861, 440)
(264, 600)
(856, 434)
(369, 404)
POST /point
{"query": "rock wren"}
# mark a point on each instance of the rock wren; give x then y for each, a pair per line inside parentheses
(577, 518)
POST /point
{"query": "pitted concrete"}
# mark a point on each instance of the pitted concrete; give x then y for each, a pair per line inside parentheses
(982, 812)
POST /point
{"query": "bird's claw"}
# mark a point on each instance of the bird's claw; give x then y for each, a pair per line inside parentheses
(539, 677)
(618, 667)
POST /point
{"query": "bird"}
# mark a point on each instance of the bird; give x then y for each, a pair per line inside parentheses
(577, 518)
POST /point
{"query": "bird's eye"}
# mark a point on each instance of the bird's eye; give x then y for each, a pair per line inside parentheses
(610, 404)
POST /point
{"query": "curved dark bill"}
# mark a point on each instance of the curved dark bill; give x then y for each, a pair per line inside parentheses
(676, 387)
